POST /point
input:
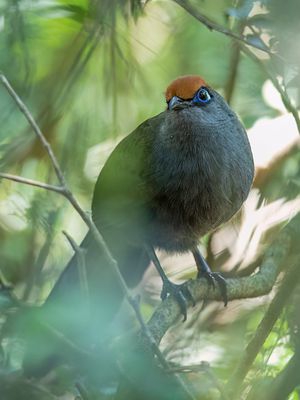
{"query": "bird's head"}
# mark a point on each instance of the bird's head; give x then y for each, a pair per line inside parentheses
(188, 91)
(195, 110)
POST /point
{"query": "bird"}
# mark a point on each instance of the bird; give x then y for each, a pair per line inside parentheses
(176, 177)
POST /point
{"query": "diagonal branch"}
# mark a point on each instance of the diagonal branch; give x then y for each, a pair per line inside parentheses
(213, 26)
(31, 182)
(36, 129)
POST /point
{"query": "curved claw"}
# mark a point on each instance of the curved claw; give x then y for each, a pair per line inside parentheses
(181, 294)
(213, 278)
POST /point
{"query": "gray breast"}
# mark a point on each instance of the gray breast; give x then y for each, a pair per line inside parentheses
(202, 174)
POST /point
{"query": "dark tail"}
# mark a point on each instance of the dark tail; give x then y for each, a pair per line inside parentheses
(80, 309)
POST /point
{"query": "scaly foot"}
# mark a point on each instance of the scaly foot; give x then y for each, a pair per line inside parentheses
(213, 278)
(180, 293)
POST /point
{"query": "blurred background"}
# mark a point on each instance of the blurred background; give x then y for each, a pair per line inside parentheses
(90, 72)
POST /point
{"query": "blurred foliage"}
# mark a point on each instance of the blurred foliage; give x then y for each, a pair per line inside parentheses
(90, 71)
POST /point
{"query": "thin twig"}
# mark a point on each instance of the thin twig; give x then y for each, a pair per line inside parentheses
(203, 367)
(31, 182)
(213, 26)
(285, 98)
(36, 129)
(234, 64)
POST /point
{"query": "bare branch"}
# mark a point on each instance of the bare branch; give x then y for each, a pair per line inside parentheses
(213, 26)
(35, 127)
(31, 182)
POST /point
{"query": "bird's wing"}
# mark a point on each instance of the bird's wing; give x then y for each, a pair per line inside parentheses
(122, 195)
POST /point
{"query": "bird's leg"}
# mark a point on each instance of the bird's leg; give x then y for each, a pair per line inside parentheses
(180, 292)
(211, 277)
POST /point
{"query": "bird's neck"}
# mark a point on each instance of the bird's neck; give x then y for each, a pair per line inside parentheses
(180, 133)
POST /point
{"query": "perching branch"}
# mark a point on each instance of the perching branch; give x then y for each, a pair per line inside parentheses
(256, 285)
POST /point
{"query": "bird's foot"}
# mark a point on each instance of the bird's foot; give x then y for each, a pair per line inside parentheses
(181, 294)
(213, 278)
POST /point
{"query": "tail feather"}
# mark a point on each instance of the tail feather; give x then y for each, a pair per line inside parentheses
(82, 317)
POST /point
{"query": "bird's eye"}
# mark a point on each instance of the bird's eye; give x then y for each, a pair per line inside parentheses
(202, 96)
